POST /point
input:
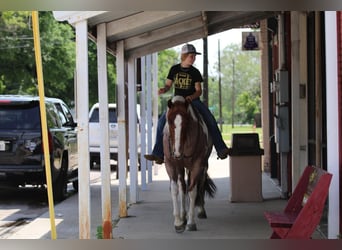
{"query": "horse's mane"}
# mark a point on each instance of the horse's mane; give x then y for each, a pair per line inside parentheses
(195, 115)
(190, 109)
(178, 98)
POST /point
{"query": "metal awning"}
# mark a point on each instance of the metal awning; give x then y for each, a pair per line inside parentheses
(146, 32)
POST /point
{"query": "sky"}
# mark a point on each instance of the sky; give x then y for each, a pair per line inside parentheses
(232, 36)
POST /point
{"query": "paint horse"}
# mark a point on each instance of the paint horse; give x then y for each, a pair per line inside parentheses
(187, 147)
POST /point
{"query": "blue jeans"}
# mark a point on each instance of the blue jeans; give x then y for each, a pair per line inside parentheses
(209, 120)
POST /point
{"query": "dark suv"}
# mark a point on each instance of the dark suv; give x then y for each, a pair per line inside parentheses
(21, 148)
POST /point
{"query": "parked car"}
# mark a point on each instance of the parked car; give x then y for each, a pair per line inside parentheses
(94, 133)
(21, 146)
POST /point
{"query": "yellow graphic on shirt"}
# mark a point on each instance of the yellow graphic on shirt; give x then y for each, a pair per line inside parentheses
(182, 80)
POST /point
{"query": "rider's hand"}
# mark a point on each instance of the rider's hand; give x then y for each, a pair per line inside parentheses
(189, 98)
(161, 91)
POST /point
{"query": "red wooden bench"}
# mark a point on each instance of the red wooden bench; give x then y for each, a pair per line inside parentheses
(304, 208)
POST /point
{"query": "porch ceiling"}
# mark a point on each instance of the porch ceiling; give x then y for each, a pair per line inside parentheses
(146, 32)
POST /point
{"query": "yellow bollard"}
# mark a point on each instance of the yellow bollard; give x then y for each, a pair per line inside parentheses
(36, 37)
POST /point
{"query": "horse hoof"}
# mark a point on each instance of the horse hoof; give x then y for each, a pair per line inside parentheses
(180, 229)
(191, 227)
(202, 215)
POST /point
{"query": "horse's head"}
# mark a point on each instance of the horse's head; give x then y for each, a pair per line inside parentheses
(177, 118)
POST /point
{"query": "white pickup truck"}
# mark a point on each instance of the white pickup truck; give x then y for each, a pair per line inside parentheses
(94, 133)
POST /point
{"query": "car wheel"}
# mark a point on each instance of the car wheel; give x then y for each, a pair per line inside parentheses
(60, 188)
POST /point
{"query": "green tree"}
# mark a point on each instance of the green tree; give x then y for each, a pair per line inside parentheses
(17, 59)
(248, 104)
(240, 79)
(166, 58)
(93, 78)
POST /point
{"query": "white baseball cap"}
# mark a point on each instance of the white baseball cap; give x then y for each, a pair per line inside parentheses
(189, 49)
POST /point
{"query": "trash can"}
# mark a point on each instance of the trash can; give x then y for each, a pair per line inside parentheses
(245, 168)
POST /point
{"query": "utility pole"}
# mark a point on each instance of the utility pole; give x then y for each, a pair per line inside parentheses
(220, 94)
(233, 93)
(205, 71)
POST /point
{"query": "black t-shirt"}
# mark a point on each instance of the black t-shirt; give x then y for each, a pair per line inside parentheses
(184, 79)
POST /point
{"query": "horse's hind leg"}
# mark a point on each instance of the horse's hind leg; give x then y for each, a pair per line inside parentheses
(191, 225)
(178, 215)
(202, 214)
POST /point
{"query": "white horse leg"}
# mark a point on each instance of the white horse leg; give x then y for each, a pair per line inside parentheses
(191, 225)
(178, 222)
(182, 202)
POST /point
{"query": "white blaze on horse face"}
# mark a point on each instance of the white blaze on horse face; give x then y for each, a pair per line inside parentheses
(178, 128)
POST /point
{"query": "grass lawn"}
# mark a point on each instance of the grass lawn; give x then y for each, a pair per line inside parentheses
(238, 129)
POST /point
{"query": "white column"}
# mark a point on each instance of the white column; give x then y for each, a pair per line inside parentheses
(122, 156)
(155, 95)
(143, 162)
(265, 90)
(332, 122)
(298, 78)
(82, 104)
(132, 127)
(104, 124)
(150, 134)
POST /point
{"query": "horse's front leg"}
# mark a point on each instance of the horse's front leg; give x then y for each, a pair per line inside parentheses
(191, 225)
(182, 201)
(177, 212)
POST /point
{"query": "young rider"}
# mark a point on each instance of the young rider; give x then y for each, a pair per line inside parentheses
(187, 83)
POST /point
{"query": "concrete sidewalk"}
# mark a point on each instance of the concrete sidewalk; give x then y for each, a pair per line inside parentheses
(151, 217)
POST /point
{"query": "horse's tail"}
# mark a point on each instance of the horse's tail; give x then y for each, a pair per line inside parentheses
(209, 186)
